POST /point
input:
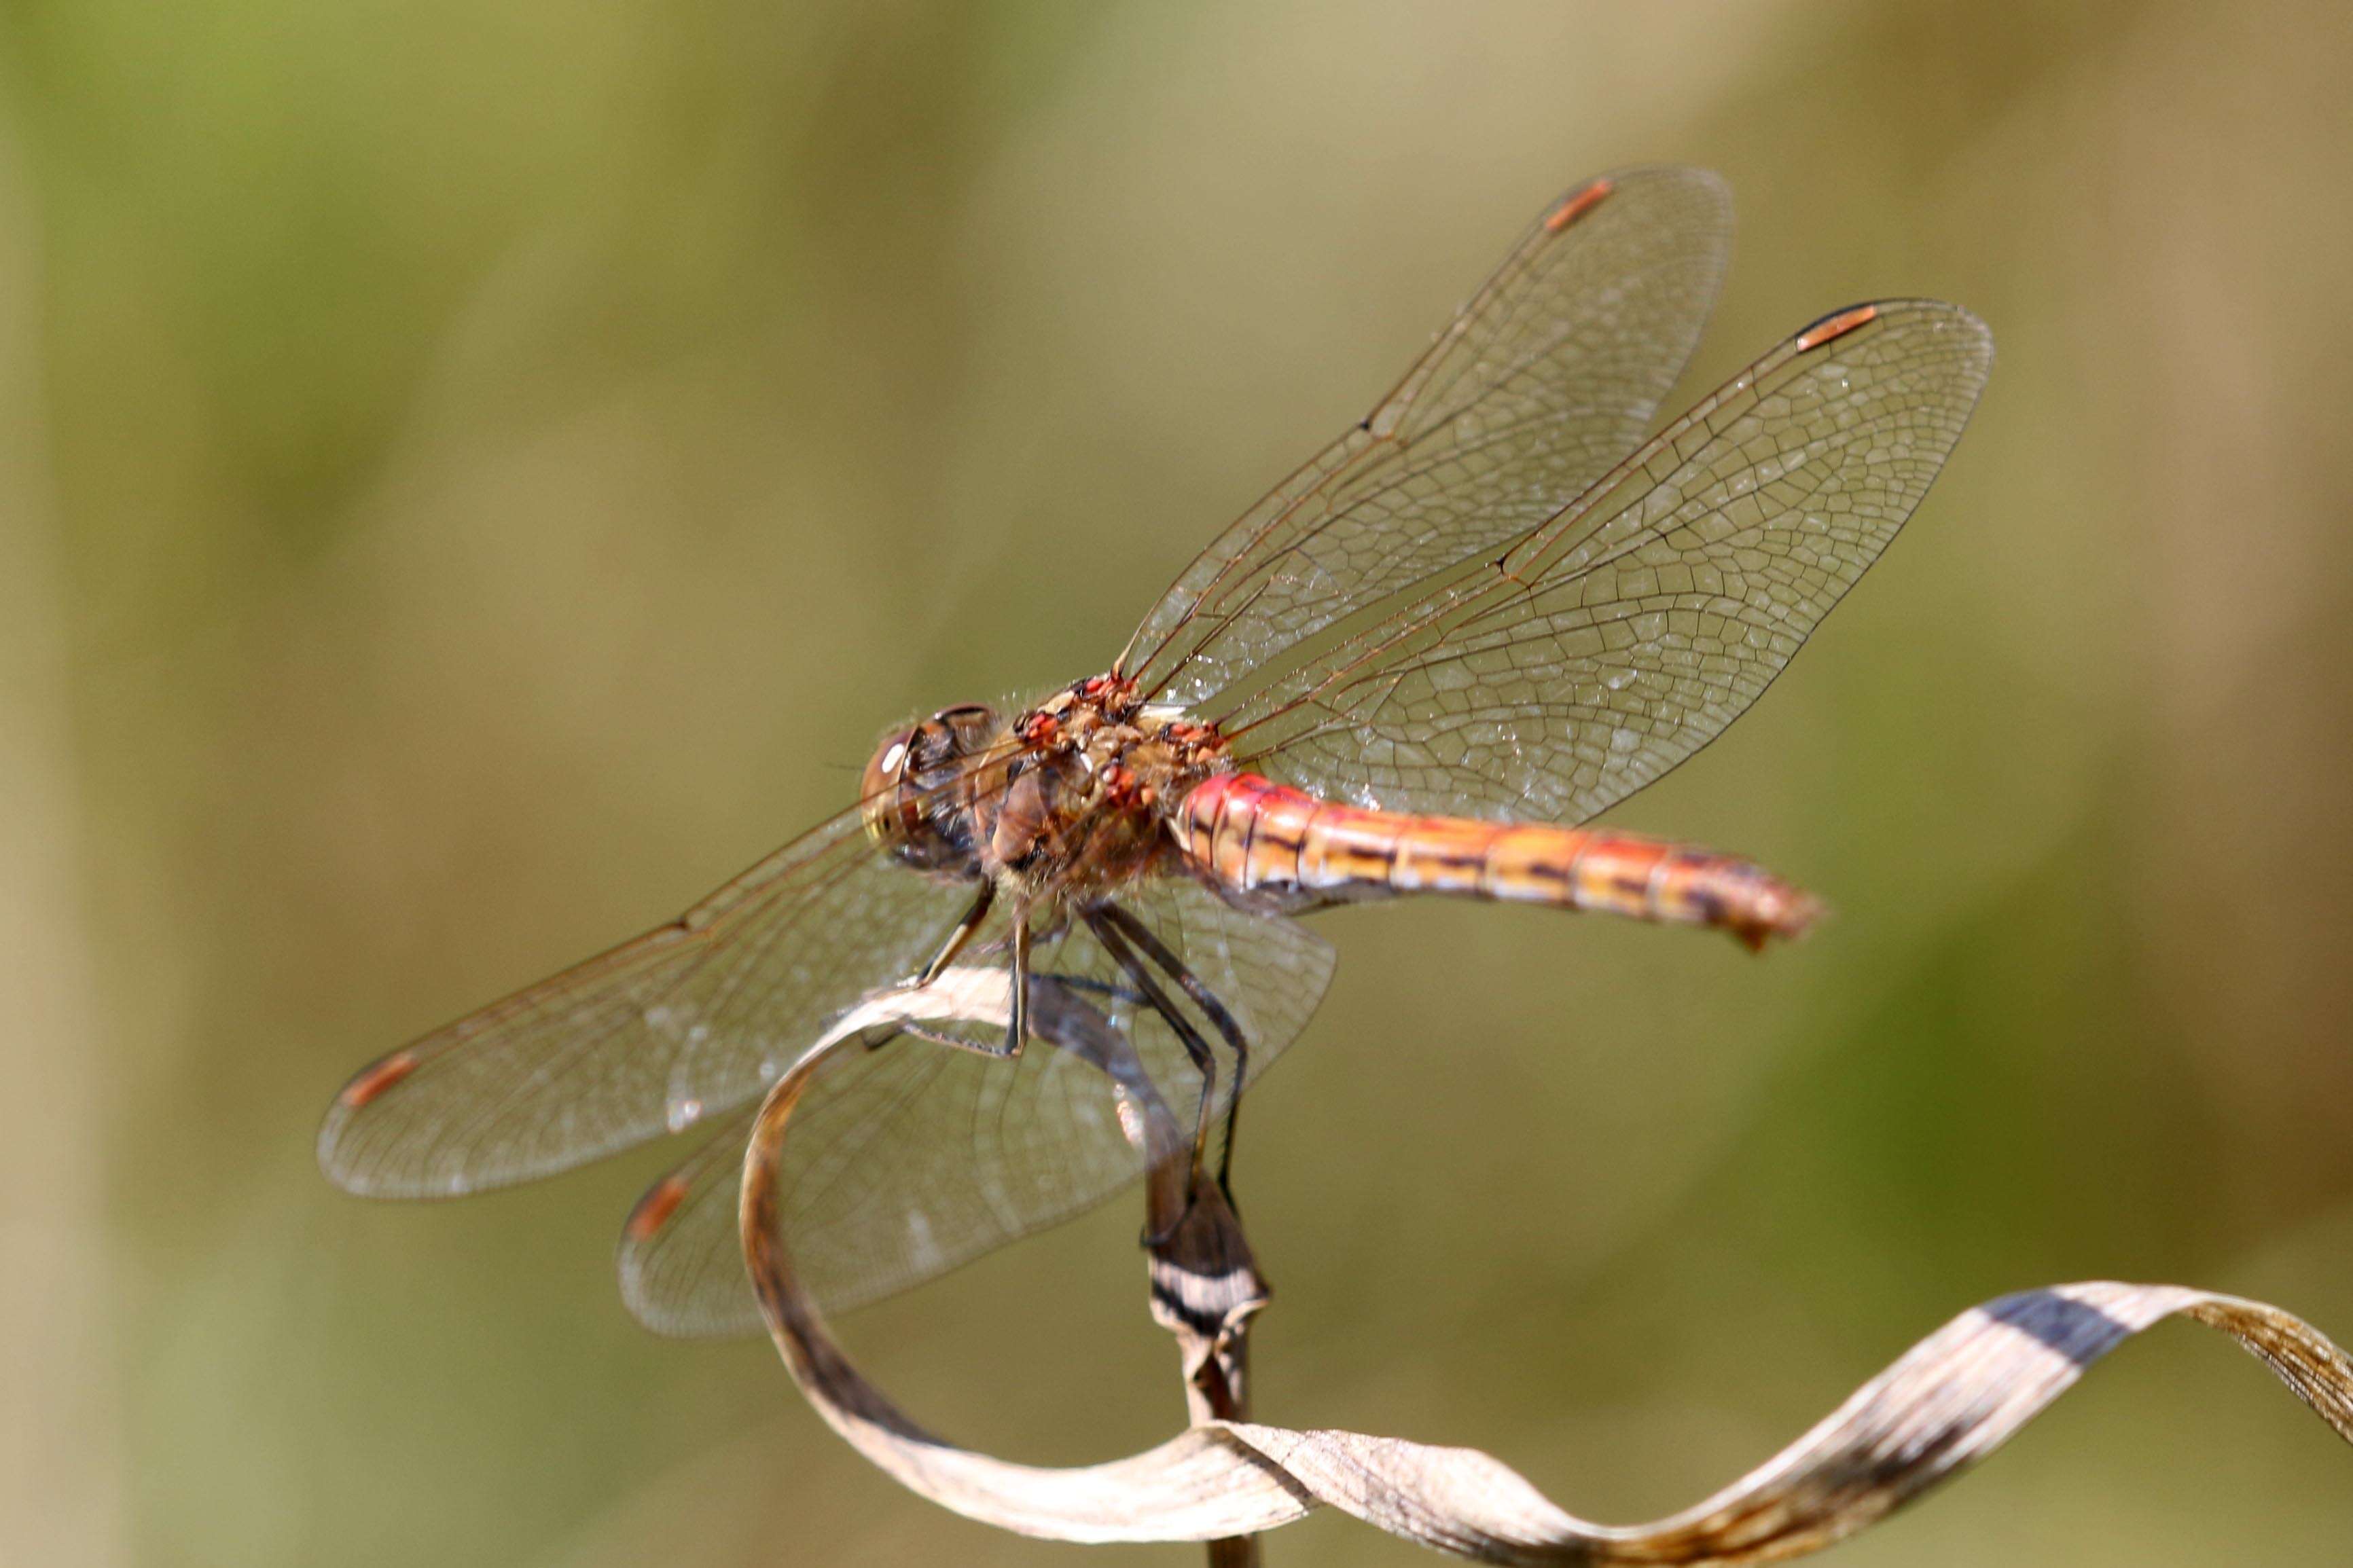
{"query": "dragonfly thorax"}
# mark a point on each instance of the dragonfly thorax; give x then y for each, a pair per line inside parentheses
(1069, 796)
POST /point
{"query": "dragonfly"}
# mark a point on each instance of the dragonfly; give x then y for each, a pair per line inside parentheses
(1423, 663)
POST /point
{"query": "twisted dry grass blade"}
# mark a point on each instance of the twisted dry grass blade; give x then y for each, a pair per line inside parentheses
(1952, 1399)
(1201, 1485)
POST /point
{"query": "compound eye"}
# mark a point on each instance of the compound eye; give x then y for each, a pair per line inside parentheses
(888, 765)
(955, 732)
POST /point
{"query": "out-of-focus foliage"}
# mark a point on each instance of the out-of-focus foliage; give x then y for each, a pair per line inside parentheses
(474, 474)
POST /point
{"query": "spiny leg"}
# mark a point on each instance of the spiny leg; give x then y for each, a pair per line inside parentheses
(958, 937)
(1016, 1009)
(1196, 1048)
(1224, 1022)
(956, 943)
(958, 940)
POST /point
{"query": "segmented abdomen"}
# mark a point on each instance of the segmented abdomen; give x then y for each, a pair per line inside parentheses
(1254, 834)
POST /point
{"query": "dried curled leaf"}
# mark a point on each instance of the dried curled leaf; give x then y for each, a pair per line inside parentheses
(1950, 1401)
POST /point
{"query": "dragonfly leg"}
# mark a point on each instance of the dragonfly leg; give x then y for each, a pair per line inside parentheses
(956, 943)
(1017, 1001)
(956, 938)
(1017, 1008)
(1229, 1029)
(1115, 943)
(997, 1053)
(1017, 1005)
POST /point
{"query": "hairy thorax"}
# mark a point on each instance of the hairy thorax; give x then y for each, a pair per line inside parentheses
(1065, 802)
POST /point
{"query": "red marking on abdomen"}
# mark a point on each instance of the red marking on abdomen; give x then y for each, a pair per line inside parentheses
(653, 1210)
(1577, 206)
(1253, 835)
(374, 1080)
(1837, 324)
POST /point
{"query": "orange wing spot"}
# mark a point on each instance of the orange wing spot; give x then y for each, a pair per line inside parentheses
(1837, 324)
(653, 1210)
(1577, 206)
(373, 1081)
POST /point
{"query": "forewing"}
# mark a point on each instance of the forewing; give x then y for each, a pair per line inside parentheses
(911, 1158)
(1547, 377)
(690, 1019)
(1599, 651)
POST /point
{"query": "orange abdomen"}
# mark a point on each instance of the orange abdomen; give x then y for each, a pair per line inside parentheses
(1257, 836)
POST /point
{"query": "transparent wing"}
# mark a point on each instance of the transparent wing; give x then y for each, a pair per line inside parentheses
(1549, 375)
(1556, 677)
(680, 1264)
(910, 1159)
(690, 1018)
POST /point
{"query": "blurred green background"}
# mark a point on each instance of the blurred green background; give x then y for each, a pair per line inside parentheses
(475, 475)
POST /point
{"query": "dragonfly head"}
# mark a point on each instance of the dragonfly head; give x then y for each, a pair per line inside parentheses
(909, 812)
